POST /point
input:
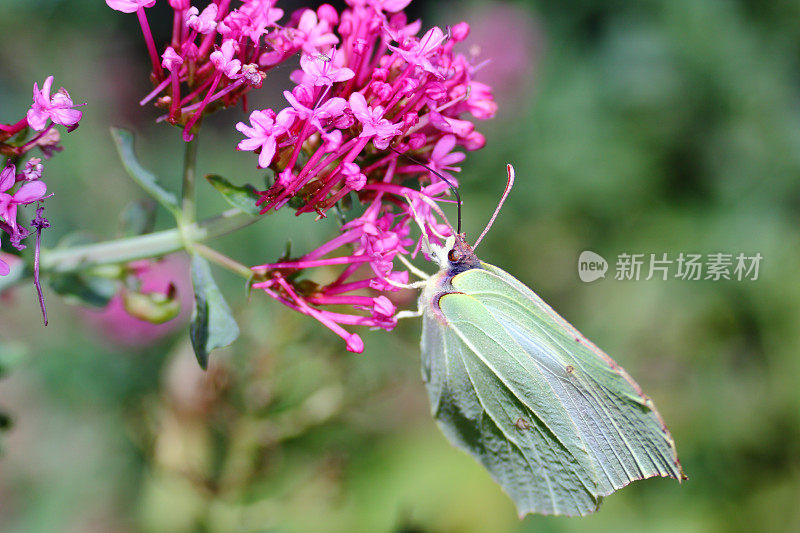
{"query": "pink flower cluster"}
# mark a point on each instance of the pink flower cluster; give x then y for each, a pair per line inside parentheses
(369, 88)
(16, 140)
(218, 54)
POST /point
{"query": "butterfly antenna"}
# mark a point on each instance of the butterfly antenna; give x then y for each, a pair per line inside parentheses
(447, 181)
(509, 184)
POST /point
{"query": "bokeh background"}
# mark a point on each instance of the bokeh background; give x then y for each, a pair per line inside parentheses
(659, 126)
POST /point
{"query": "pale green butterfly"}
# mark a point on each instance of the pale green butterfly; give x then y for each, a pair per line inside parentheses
(556, 422)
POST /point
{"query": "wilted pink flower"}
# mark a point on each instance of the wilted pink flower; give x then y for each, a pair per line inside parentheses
(58, 108)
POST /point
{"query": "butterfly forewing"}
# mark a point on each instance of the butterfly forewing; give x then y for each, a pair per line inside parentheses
(618, 424)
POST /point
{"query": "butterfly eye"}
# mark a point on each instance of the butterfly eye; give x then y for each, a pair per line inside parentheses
(453, 256)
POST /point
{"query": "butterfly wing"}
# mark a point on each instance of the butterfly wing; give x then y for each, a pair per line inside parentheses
(556, 422)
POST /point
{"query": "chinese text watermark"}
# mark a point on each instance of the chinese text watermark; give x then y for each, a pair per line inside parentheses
(663, 266)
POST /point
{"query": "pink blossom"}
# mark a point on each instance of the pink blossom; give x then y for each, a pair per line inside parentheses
(315, 33)
(321, 70)
(29, 192)
(205, 22)
(354, 178)
(261, 135)
(461, 128)
(372, 120)
(170, 60)
(443, 158)
(323, 113)
(420, 52)
(479, 100)
(58, 108)
(129, 6)
(223, 59)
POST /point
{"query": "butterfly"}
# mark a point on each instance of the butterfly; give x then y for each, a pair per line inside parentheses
(557, 423)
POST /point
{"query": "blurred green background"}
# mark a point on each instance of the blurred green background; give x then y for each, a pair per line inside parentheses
(658, 126)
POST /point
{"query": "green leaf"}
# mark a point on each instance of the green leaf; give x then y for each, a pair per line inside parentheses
(84, 289)
(145, 179)
(242, 197)
(213, 325)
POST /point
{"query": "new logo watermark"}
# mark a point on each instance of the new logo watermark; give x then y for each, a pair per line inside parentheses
(684, 266)
(591, 266)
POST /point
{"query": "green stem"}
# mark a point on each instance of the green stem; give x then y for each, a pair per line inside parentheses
(189, 174)
(156, 244)
(223, 260)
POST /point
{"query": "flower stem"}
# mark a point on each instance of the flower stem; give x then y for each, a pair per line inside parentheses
(189, 175)
(223, 260)
(156, 244)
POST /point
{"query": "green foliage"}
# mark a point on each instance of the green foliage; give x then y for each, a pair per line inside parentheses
(213, 325)
(146, 179)
(243, 197)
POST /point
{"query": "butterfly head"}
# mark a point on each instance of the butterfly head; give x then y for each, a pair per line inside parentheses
(455, 256)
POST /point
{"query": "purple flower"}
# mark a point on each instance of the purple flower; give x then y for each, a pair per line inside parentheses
(58, 108)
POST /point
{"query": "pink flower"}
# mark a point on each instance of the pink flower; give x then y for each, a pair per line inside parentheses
(29, 192)
(420, 52)
(205, 22)
(372, 120)
(326, 112)
(129, 6)
(321, 70)
(443, 158)
(479, 100)
(170, 60)
(223, 59)
(316, 34)
(261, 135)
(58, 108)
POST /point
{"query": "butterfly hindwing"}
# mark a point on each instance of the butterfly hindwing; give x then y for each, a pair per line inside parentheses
(492, 400)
